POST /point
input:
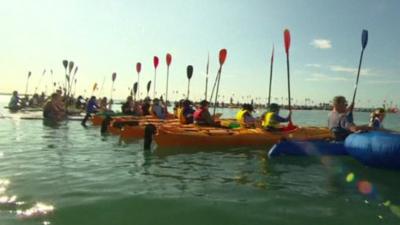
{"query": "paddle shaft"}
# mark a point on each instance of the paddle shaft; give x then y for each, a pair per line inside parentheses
(288, 76)
(358, 77)
(154, 86)
(188, 89)
(270, 84)
(217, 90)
(138, 93)
(166, 90)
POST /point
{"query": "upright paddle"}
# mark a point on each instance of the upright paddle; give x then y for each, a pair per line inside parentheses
(270, 76)
(168, 60)
(27, 82)
(155, 63)
(207, 69)
(286, 36)
(113, 77)
(65, 64)
(364, 41)
(189, 74)
(222, 58)
(148, 87)
(138, 69)
(135, 88)
(94, 88)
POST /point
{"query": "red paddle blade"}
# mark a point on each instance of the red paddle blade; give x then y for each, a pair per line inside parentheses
(222, 56)
(286, 35)
(168, 59)
(155, 62)
(138, 67)
(289, 127)
(114, 76)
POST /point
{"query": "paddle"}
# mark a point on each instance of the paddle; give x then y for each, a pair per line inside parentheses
(27, 82)
(135, 88)
(113, 77)
(65, 64)
(70, 67)
(270, 76)
(148, 87)
(94, 88)
(189, 74)
(364, 41)
(138, 69)
(222, 58)
(286, 36)
(155, 63)
(40, 80)
(207, 69)
(168, 60)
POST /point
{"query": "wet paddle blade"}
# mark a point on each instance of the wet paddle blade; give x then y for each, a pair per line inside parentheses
(189, 71)
(114, 76)
(65, 63)
(222, 56)
(29, 74)
(138, 67)
(148, 86)
(155, 62)
(169, 59)
(70, 66)
(364, 38)
(286, 36)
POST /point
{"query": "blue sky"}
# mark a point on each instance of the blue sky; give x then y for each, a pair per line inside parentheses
(102, 37)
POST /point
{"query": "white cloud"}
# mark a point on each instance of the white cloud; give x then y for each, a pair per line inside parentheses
(351, 70)
(313, 65)
(324, 77)
(321, 43)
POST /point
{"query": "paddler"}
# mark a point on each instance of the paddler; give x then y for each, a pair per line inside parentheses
(91, 108)
(245, 118)
(203, 117)
(271, 119)
(185, 115)
(52, 109)
(376, 118)
(15, 102)
(340, 120)
(158, 110)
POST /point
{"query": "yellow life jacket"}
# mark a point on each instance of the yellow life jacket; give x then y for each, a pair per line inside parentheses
(181, 118)
(268, 120)
(240, 117)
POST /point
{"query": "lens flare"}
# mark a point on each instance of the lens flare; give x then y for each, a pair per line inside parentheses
(350, 177)
(364, 187)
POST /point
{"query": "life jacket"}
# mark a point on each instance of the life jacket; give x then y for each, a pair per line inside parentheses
(197, 114)
(240, 117)
(181, 117)
(269, 121)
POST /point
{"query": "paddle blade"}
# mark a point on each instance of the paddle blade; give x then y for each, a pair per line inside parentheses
(222, 56)
(70, 66)
(148, 86)
(76, 70)
(208, 64)
(138, 67)
(114, 76)
(65, 63)
(29, 74)
(155, 62)
(286, 36)
(272, 55)
(135, 88)
(168, 59)
(54, 84)
(51, 72)
(364, 38)
(189, 71)
(94, 87)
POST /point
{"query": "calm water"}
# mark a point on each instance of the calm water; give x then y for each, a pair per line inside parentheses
(90, 179)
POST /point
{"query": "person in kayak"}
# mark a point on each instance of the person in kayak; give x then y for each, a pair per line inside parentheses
(15, 102)
(376, 118)
(203, 117)
(91, 108)
(245, 118)
(271, 119)
(185, 115)
(340, 121)
(52, 109)
(158, 110)
(146, 106)
(128, 107)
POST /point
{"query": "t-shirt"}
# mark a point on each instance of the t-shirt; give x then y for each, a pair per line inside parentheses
(339, 124)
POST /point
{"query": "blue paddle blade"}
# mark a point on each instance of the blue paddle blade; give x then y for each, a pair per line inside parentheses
(364, 38)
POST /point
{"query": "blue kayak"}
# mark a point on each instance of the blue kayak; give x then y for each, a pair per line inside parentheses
(307, 148)
(375, 148)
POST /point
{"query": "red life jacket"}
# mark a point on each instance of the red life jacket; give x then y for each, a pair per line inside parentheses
(197, 114)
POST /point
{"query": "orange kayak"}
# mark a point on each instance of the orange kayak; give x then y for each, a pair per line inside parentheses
(196, 136)
(137, 131)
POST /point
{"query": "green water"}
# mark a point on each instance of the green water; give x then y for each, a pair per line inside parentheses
(91, 179)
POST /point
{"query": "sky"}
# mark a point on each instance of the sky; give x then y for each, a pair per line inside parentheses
(106, 36)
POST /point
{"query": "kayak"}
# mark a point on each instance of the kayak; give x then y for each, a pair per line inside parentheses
(136, 128)
(307, 148)
(376, 148)
(199, 136)
(97, 119)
